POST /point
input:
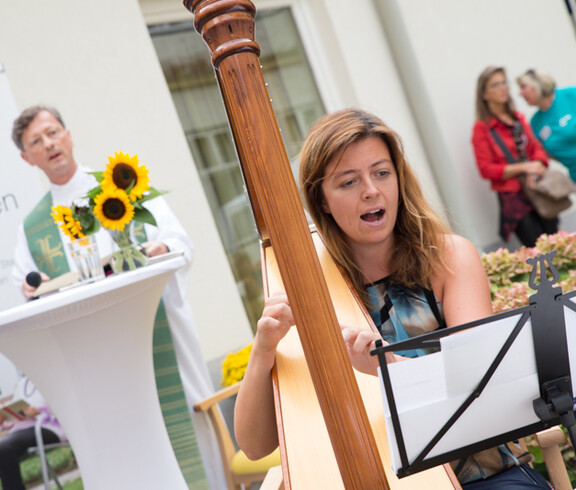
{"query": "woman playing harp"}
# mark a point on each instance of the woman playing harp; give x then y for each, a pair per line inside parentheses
(412, 274)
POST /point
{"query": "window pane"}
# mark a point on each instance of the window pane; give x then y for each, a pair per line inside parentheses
(189, 74)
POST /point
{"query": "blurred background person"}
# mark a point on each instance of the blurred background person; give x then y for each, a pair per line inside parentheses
(21, 434)
(554, 123)
(496, 112)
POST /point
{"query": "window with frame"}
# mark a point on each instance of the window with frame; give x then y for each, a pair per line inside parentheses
(297, 104)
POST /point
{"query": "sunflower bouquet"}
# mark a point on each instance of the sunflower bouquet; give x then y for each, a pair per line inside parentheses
(118, 199)
(114, 204)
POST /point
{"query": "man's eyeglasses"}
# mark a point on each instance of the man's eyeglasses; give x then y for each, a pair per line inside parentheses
(50, 133)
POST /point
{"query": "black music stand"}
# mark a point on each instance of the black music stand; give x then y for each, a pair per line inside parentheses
(544, 397)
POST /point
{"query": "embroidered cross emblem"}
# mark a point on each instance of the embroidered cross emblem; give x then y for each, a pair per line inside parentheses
(45, 259)
(139, 232)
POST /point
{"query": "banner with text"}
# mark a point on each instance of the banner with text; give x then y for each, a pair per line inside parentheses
(20, 190)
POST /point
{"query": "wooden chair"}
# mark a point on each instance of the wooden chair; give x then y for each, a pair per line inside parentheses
(240, 472)
(549, 441)
(274, 479)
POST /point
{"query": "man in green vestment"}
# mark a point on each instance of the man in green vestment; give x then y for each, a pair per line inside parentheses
(45, 142)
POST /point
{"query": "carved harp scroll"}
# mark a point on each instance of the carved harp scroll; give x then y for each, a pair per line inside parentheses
(227, 27)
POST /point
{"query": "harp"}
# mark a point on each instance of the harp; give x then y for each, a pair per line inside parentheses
(313, 359)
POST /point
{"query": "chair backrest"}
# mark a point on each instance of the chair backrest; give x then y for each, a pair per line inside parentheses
(240, 472)
(550, 441)
(225, 441)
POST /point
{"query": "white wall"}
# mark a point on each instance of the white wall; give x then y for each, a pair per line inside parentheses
(96, 63)
(361, 71)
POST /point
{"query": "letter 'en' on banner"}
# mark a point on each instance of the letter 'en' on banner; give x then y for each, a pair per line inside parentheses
(20, 189)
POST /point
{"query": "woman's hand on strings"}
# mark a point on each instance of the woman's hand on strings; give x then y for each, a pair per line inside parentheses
(359, 342)
(254, 415)
(275, 322)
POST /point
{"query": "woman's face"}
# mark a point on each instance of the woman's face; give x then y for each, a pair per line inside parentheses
(496, 90)
(529, 93)
(361, 193)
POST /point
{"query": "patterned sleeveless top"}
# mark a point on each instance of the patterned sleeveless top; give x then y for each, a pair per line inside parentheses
(401, 313)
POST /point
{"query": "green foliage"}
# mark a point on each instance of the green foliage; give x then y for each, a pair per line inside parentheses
(509, 273)
(61, 459)
(569, 458)
(142, 215)
(74, 485)
(88, 221)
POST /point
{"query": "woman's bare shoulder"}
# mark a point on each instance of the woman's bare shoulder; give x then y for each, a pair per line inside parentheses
(454, 242)
(457, 248)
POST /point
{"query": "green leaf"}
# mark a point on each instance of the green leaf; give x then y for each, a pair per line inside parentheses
(99, 176)
(152, 194)
(87, 219)
(92, 193)
(90, 224)
(142, 215)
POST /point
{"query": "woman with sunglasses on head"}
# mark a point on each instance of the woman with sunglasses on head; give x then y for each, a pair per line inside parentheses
(498, 123)
(554, 124)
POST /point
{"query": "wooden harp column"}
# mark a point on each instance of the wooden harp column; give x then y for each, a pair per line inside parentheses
(227, 27)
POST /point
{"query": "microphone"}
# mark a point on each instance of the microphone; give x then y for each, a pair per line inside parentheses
(34, 279)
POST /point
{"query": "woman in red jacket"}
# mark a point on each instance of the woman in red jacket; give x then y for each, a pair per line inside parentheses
(495, 113)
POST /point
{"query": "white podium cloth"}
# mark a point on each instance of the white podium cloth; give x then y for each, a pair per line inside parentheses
(89, 351)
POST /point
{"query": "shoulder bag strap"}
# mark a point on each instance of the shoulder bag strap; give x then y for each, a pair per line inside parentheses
(502, 146)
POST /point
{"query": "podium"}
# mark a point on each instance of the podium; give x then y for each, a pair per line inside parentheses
(89, 352)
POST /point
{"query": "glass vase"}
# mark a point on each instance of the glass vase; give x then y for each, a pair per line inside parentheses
(130, 254)
(84, 252)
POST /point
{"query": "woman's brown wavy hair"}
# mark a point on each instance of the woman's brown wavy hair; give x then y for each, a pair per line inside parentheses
(419, 233)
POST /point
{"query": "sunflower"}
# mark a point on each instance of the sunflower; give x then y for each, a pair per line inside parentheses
(113, 209)
(65, 219)
(123, 172)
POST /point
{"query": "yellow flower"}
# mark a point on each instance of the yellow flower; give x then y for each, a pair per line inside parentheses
(113, 209)
(122, 172)
(68, 224)
(234, 366)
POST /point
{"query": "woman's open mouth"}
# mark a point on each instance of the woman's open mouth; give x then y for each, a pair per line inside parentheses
(373, 216)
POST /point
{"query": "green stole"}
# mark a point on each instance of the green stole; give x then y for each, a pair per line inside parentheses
(47, 251)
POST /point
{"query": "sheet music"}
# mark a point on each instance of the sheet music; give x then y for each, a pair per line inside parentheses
(429, 389)
(468, 355)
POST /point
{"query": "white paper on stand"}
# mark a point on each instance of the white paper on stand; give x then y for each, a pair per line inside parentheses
(430, 389)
